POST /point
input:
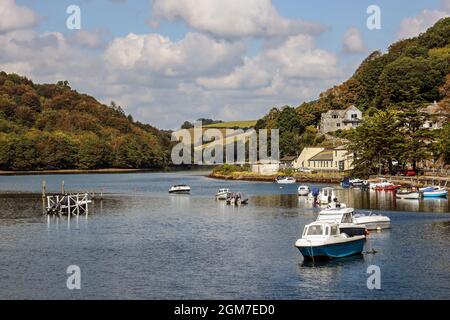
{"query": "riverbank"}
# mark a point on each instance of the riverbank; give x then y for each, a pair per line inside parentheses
(333, 178)
(99, 171)
(72, 171)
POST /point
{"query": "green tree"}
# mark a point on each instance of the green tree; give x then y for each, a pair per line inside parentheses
(377, 142)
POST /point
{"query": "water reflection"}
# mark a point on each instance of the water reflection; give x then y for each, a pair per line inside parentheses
(331, 264)
(278, 200)
(180, 201)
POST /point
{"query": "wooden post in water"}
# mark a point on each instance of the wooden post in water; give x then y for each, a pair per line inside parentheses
(62, 187)
(43, 196)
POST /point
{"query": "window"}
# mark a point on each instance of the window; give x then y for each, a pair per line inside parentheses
(354, 116)
(315, 231)
(347, 218)
(338, 125)
(335, 116)
(334, 231)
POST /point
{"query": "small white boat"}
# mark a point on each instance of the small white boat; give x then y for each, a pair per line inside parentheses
(303, 191)
(408, 195)
(341, 214)
(323, 240)
(182, 188)
(326, 196)
(434, 192)
(286, 180)
(371, 221)
(223, 194)
(384, 185)
(356, 182)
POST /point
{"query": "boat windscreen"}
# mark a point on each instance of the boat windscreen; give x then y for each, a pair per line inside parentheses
(315, 230)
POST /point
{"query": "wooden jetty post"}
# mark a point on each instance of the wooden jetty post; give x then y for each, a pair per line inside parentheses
(43, 196)
(62, 187)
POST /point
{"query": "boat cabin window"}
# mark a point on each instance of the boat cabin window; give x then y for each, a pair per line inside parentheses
(347, 218)
(315, 230)
(334, 230)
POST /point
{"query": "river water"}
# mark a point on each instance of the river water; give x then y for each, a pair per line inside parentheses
(142, 243)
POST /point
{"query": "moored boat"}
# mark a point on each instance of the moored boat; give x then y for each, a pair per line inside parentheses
(285, 180)
(223, 194)
(326, 196)
(303, 191)
(343, 216)
(345, 183)
(384, 185)
(371, 221)
(323, 240)
(434, 192)
(236, 199)
(182, 188)
(356, 183)
(408, 195)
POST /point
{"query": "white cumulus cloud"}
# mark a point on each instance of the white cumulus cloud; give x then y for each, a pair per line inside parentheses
(232, 18)
(13, 16)
(353, 41)
(194, 54)
(413, 26)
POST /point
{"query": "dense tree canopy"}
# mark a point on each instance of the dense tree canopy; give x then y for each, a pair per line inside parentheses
(51, 126)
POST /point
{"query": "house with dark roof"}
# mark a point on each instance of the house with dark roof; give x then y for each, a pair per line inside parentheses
(325, 159)
(288, 162)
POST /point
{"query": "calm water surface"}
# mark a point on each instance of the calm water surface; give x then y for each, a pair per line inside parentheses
(142, 243)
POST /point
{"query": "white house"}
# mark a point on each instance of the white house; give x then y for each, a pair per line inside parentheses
(265, 168)
(325, 159)
(335, 120)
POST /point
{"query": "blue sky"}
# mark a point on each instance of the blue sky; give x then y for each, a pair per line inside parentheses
(204, 58)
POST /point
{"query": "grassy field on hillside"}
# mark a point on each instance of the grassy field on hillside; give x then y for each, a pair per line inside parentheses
(233, 124)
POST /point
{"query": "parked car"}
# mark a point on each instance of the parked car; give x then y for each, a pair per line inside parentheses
(407, 172)
(305, 170)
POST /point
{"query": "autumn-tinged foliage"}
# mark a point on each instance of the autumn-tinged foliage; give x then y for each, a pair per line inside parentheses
(51, 126)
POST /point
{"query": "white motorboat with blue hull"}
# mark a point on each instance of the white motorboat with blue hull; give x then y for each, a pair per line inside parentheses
(323, 241)
(434, 192)
(333, 251)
